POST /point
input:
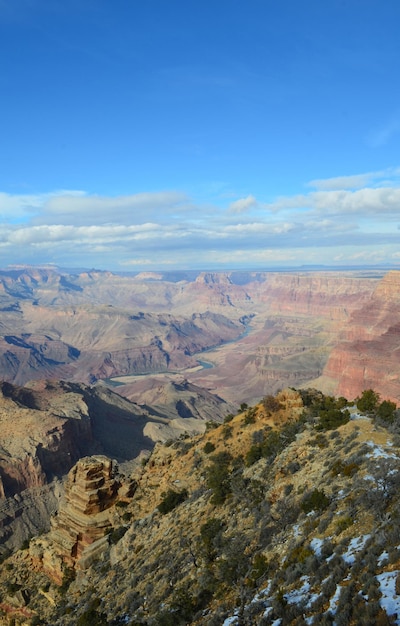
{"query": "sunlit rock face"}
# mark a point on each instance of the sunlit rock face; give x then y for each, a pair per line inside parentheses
(79, 530)
(369, 352)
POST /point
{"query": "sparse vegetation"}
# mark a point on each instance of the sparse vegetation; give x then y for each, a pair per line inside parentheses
(266, 541)
(171, 499)
(368, 401)
(317, 500)
(218, 475)
(209, 447)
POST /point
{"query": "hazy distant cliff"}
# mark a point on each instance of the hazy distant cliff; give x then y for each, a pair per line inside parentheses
(368, 354)
(276, 329)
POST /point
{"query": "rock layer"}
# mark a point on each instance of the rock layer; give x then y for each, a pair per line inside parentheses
(100, 325)
(79, 531)
(368, 354)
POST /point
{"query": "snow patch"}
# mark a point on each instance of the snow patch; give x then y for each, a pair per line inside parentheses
(378, 452)
(355, 545)
(389, 600)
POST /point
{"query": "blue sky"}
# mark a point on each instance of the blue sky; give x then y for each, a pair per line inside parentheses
(187, 134)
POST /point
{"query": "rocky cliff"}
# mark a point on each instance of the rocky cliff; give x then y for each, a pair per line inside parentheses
(48, 426)
(265, 330)
(278, 516)
(368, 351)
(79, 530)
(94, 325)
(45, 429)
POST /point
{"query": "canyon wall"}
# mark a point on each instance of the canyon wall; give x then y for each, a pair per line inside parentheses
(261, 330)
(368, 351)
(99, 325)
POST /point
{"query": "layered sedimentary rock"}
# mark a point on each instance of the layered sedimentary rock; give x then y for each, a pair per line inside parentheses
(99, 325)
(368, 354)
(79, 531)
(46, 427)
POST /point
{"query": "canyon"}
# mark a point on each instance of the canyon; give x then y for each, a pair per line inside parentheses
(239, 335)
(103, 373)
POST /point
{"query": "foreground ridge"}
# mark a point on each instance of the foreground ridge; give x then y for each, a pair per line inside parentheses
(287, 512)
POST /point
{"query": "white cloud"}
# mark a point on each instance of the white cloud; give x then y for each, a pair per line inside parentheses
(243, 204)
(67, 208)
(344, 182)
(379, 178)
(385, 200)
(335, 222)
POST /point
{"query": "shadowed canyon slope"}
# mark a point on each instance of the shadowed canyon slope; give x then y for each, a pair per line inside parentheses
(254, 332)
(48, 426)
(282, 515)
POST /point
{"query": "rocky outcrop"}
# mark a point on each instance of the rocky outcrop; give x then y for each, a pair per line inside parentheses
(26, 515)
(176, 397)
(46, 428)
(79, 530)
(42, 434)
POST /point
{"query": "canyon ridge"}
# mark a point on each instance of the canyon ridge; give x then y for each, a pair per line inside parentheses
(239, 335)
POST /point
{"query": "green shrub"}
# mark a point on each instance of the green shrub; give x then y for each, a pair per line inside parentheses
(92, 616)
(183, 606)
(116, 534)
(250, 416)
(332, 418)
(211, 538)
(171, 499)
(209, 447)
(317, 500)
(320, 441)
(368, 402)
(386, 411)
(217, 477)
(69, 575)
(12, 588)
(259, 569)
(273, 443)
(226, 431)
(346, 469)
(342, 523)
(253, 455)
(299, 554)
(271, 404)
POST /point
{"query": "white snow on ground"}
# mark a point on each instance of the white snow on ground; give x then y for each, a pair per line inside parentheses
(358, 416)
(296, 531)
(378, 452)
(302, 595)
(316, 545)
(335, 599)
(383, 557)
(355, 545)
(229, 621)
(389, 600)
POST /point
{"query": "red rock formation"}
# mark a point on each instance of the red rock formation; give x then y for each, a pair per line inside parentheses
(368, 355)
(313, 293)
(79, 530)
